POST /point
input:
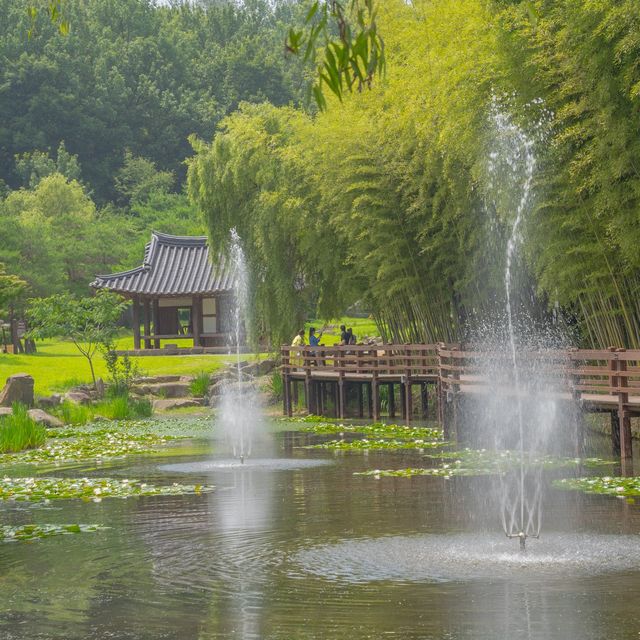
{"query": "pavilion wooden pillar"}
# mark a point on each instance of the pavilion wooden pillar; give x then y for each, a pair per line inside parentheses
(424, 397)
(360, 400)
(196, 319)
(136, 322)
(155, 305)
(146, 312)
(624, 417)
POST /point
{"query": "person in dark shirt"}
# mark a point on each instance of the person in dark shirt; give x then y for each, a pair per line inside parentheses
(344, 336)
(352, 337)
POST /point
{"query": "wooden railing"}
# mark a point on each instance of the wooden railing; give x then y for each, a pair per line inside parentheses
(413, 360)
(591, 376)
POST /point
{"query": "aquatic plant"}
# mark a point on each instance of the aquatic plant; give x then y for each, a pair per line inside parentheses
(607, 485)
(377, 429)
(18, 431)
(101, 445)
(74, 413)
(88, 489)
(30, 532)
(377, 445)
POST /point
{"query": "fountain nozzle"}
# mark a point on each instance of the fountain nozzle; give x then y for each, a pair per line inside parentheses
(522, 537)
(242, 459)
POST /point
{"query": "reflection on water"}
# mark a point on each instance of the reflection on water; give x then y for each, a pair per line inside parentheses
(270, 554)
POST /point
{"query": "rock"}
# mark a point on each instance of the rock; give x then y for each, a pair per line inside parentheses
(19, 388)
(50, 401)
(164, 389)
(5, 411)
(156, 379)
(167, 404)
(77, 397)
(44, 418)
(266, 366)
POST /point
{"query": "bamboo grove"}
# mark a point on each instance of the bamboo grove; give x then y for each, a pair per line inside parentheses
(387, 198)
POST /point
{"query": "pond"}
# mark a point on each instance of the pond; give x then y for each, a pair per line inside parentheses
(303, 548)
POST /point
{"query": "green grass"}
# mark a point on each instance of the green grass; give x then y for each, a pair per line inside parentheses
(362, 327)
(58, 365)
(19, 432)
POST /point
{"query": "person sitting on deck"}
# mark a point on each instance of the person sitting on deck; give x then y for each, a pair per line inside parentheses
(352, 337)
(344, 336)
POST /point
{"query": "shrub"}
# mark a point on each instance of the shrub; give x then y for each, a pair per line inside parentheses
(122, 372)
(141, 408)
(200, 385)
(19, 431)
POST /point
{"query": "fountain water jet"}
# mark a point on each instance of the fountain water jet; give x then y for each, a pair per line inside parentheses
(238, 408)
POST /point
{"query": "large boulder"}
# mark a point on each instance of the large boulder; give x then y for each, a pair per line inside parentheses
(19, 388)
(167, 404)
(44, 418)
(164, 389)
(78, 397)
(155, 379)
(50, 401)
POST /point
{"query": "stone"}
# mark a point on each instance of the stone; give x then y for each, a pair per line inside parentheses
(44, 418)
(167, 404)
(78, 397)
(50, 401)
(19, 388)
(5, 411)
(266, 366)
(157, 379)
(164, 389)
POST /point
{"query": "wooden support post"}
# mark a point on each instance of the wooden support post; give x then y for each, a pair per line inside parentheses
(135, 320)
(370, 400)
(615, 433)
(624, 414)
(408, 399)
(342, 397)
(336, 400)
(294, 386)
(403, 400)
(146, 312)
(360, 400)
(375, 395)
(424, 397)
(392, 400)
(286, 395)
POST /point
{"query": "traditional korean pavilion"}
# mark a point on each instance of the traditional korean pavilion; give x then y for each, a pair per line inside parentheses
(180, 291)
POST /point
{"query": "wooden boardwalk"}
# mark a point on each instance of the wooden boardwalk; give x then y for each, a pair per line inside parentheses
(357, 380)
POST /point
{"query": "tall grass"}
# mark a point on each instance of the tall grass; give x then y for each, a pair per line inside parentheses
(200, 384)
(124, 408)
(73, 413)
(18, 431)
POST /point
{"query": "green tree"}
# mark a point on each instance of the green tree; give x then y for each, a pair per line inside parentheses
(138, 179)
(90, 323)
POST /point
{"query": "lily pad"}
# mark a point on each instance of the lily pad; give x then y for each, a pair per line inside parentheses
(29, 532)
(365, 444)
(607, 485)
(88, 489)
(378, 430)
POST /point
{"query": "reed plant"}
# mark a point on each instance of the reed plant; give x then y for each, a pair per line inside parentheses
(73, 413)
(19, 431)
(199, 386)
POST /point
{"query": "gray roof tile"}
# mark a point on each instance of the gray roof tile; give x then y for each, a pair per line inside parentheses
(173, 266)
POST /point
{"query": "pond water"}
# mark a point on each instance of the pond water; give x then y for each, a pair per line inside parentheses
(298, 550)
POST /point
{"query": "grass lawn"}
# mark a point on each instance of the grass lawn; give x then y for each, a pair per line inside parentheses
(58, 365)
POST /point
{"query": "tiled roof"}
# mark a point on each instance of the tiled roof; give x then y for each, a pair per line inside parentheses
(173, 266)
